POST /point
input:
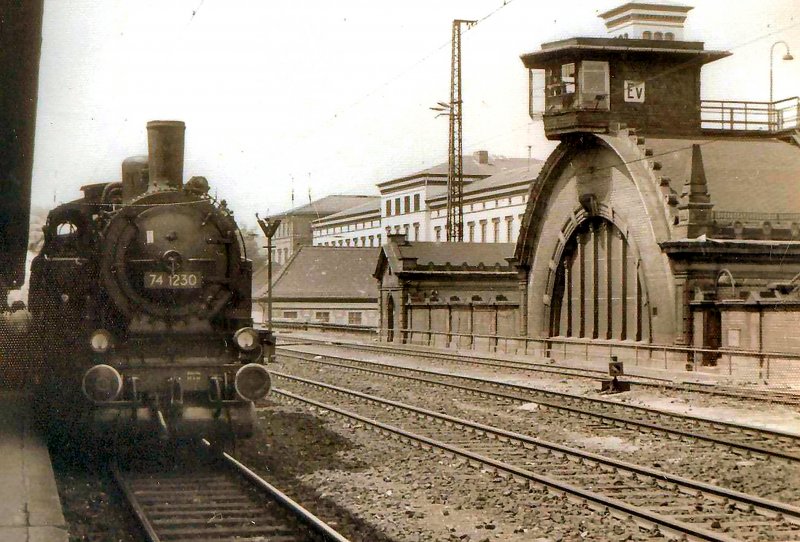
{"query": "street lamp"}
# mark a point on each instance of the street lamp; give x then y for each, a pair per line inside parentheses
(787, 56)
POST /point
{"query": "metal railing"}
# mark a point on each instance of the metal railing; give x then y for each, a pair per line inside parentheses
(763, 366)
(306, 325)
(772, 367)
(755, 216)
(768, 117)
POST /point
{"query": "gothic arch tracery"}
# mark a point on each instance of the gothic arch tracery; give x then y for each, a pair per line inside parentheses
(594, 286)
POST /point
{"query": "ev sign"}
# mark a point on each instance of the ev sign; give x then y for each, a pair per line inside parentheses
(634, 91)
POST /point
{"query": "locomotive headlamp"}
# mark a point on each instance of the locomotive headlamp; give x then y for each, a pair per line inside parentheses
(246, 339)
(252, 382)
(100, 341)
(101, 383)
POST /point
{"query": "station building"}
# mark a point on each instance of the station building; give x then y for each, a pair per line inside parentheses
(495, 193)
(660, 218)
(295, 229)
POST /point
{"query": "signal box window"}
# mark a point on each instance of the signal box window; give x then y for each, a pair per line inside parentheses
(354, 318)
(593, 85)
(560, 87)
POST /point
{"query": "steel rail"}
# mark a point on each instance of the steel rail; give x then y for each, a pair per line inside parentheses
(182, 513)
(617, 419)
(310, 520)
(624, 511)
(766, 507)
(133, 502)
(771, 396)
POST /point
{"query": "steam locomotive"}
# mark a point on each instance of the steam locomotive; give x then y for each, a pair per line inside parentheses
(141, 303)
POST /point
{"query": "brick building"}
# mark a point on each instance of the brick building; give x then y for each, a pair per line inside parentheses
(325, 286)
(656, 202)
(444, 294)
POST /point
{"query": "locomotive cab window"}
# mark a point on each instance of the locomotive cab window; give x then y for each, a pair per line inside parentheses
(66, 228)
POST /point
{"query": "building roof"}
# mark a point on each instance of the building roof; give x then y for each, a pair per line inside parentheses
(319, 272)
(662, 6)
(471, 165)
(325, 206)
(404, 256)
(683, 50)
(371, 206)
(755, 175)
(500, 180)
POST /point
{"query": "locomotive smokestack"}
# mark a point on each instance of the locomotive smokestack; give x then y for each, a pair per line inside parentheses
(165, 153)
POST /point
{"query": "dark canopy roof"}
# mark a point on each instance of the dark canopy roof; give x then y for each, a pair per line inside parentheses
(328, 272)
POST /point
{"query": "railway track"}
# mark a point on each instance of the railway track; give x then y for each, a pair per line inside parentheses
(771, 396)
(743, 438)
(219, 500)
(656, 500)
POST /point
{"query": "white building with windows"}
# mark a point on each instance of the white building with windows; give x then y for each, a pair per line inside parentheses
(495, 194)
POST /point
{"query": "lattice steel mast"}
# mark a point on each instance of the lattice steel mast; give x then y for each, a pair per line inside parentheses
(455, 173)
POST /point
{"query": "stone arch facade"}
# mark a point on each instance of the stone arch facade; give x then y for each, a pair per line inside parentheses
(596, 289)
(598, 179)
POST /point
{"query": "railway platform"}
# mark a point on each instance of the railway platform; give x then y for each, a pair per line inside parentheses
(30, 509)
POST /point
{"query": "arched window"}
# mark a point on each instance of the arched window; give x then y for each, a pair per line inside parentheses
(669, 36)
(597, 293)
(658, 36)
(647, 35)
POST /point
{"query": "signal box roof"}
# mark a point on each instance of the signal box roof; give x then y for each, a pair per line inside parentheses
(680, 50)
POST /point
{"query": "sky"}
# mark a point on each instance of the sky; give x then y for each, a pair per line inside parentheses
(321, 97)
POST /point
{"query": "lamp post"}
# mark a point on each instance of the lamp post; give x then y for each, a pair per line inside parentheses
(787, 56)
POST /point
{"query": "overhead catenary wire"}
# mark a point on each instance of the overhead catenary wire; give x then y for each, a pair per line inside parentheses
(500, 134)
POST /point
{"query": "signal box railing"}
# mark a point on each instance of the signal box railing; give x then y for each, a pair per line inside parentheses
(770, 117)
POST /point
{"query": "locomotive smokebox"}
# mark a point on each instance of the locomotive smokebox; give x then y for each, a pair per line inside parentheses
(165, 153)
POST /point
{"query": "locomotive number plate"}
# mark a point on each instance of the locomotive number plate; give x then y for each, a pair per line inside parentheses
(178, 281)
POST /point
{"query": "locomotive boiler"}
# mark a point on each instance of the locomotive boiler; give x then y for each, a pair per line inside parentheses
(141, 299)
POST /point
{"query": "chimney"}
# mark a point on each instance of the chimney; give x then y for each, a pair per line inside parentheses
(482, 157)
(165, 154)
(646, 20)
